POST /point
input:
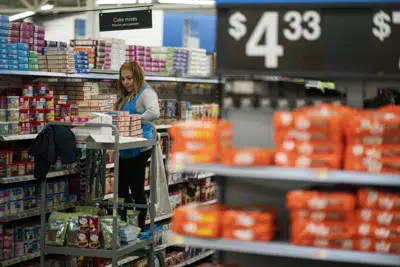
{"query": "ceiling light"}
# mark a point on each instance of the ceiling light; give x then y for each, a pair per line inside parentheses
(116, 2)
(47, 7)
(22, 15)
(145, 1)
(188, 2)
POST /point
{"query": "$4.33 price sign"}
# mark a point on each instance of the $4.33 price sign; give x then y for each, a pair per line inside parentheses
(309, 41)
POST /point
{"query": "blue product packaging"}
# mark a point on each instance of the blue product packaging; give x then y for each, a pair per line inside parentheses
(22, 53)
(77, 66)
(13, 67)
(13, 62)
(3, 66)
(4, 61)
(82, 71)
(23, 60)
(82, 62)
(4, 18)
(3, 33)
(13, 52)
(4, 46)
(22, 46)
(12, 57)
(12, 46)
(23, 67)
(3, 40)
(3, 56)
(4, 25)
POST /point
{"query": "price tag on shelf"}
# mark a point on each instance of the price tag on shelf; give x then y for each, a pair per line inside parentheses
(298, 38)
(322, 254)
(321, 174)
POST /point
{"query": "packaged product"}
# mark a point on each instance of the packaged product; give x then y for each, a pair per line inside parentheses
(57, 228)
(132, 217)
(378, 217)
(324, 201)
(12, 102)
(378, 199)
(106, 224)
(388, 233)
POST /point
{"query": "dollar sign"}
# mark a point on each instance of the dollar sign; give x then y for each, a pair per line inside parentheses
(238, 28)
(382, 30)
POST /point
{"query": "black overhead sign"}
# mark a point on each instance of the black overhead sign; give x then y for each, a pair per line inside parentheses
(309, 39)
(127, 20)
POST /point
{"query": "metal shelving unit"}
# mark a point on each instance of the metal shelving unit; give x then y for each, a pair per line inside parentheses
(26, 178)
(299, 175)
(117, 144)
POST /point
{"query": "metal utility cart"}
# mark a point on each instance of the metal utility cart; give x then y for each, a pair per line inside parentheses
(115, 253)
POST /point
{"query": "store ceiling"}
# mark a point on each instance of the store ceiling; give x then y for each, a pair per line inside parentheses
(60, 6)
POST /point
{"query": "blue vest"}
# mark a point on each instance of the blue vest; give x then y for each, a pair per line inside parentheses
(147, 129)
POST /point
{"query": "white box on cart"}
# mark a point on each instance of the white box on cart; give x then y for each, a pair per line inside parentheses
(100, 118)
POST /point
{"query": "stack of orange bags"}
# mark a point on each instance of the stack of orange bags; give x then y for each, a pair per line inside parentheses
(200, 141)
(379, 217)
(322, 219)
(200, 221)
(373, 141)
(255, 223)
(310, 137)
(211, 142)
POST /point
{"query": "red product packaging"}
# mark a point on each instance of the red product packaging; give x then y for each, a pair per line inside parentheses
(83, 240)
(83, 224)
(388, 233)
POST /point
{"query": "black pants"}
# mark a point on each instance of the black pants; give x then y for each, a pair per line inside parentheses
(131, 175)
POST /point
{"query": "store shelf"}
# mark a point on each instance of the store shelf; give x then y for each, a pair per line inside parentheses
(18, 137)
(161, 218)
(105, 76)
(196, 259)
(20, 259)
(124, 144)
(34, 212)
(111, 165)
(300, 175)
(283, 249)
(209, 202)
(163, 126)
(205, 175)
(98, 253)
(25, 178)
(125, 261)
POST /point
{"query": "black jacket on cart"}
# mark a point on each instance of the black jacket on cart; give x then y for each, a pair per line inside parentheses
(53, 142)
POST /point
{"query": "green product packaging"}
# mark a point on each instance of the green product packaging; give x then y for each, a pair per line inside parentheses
(57, 228)
(132, 217)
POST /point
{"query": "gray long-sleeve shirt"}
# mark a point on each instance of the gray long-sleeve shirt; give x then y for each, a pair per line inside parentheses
(147, 105)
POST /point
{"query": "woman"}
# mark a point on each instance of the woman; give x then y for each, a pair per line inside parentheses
(137, 97)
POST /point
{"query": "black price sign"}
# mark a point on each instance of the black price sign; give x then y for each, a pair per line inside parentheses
(306, 41)
(127, 20)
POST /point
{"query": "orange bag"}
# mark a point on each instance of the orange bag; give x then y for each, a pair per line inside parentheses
(325, 161)
(256, 233)
(388, 233)
(308, 148)
(321, 216)
(329, 230)
(247, 157)
(380, 246)
(374, 199)
(304, 199)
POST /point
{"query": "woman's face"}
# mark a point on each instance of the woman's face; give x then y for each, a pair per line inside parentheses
(127, 80)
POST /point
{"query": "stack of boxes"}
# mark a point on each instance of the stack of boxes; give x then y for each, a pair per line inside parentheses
(60, 61)
(199, 64)
(179, 62)
(27, 33)
(127, 124)
(17, 56)
(33, 62)
(151, 62)
(81, 62)
(106, 54)
(91, 54)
